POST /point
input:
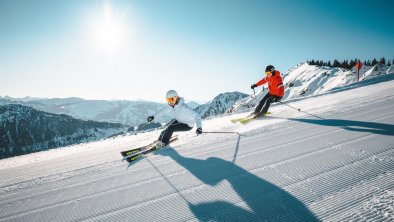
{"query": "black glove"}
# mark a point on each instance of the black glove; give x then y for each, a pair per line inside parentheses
(150, 118)
(198, 131)
(277, 98)
(253, 86)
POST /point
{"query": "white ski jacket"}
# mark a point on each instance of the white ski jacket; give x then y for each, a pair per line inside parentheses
(182, 113)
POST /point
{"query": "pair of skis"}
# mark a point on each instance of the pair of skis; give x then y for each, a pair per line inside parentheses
(140, 152)
(247, 119)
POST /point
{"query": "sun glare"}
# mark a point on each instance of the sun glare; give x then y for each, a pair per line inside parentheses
(109, 31)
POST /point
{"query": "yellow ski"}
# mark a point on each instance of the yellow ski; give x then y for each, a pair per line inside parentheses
(250, 118)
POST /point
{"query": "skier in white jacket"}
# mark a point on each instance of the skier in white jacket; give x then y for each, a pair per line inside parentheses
(184, 118)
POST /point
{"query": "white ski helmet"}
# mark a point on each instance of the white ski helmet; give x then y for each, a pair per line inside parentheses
(171, 94)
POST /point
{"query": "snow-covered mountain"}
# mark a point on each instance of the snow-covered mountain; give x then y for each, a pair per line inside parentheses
(132, 113)
(220, 104)
(25, 130)
(308, 80)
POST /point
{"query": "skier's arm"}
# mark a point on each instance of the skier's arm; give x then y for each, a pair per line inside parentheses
(261, 82)
(196, 117)
(163, 111)
(281, 87)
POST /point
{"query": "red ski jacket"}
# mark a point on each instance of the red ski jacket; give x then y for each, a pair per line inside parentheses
(275, 84)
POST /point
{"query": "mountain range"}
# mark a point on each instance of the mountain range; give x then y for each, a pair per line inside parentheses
(220, 104)
(30, 125)
(132, 113)
(26, 130)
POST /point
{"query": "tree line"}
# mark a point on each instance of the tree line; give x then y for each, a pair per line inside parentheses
(346, 64)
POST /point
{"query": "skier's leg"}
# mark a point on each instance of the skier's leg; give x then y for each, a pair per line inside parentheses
(182, 127)
(261, 104)
(267, 105)
(166, 134)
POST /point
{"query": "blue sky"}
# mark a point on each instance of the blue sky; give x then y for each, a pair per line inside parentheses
(140, 49)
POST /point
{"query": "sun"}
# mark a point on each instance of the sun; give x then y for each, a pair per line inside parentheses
(109, 31)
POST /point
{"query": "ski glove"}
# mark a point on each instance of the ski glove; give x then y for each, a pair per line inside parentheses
(150, 118)
(277, 98)
(198, 131)
(253, 86)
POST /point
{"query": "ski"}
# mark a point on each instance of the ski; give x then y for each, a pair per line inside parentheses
(238, 119)
(130, 152)
(247, 118)
(141, 154)
(133, 154)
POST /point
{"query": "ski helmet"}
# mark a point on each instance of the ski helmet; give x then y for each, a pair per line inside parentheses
(171, 94)
(270, 69)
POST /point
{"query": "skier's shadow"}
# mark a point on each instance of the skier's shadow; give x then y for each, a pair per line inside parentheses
(264, 201)
(352, 125)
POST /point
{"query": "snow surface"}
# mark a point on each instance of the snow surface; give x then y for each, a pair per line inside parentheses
(333, 161)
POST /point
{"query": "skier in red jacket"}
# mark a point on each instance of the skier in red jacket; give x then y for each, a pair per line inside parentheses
(275, 90)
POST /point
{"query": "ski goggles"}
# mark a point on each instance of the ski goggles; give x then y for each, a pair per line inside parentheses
(268, 73)
(171, 99)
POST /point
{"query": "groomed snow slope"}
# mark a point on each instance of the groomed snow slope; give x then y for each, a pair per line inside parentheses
(334, 161)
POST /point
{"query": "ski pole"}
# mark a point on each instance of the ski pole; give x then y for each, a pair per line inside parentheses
(139, 128)
(144, 124)
(221, 132)
(299, 110)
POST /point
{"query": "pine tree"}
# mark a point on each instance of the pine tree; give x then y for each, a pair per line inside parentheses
(374, 62)
(353, 63)
(336, 63)
(345, 64)
(383, 61)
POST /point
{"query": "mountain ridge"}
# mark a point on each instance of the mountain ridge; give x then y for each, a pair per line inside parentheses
(26, 130)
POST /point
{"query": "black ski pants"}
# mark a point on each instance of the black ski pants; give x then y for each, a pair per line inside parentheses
(264, 104)
(175, 126)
